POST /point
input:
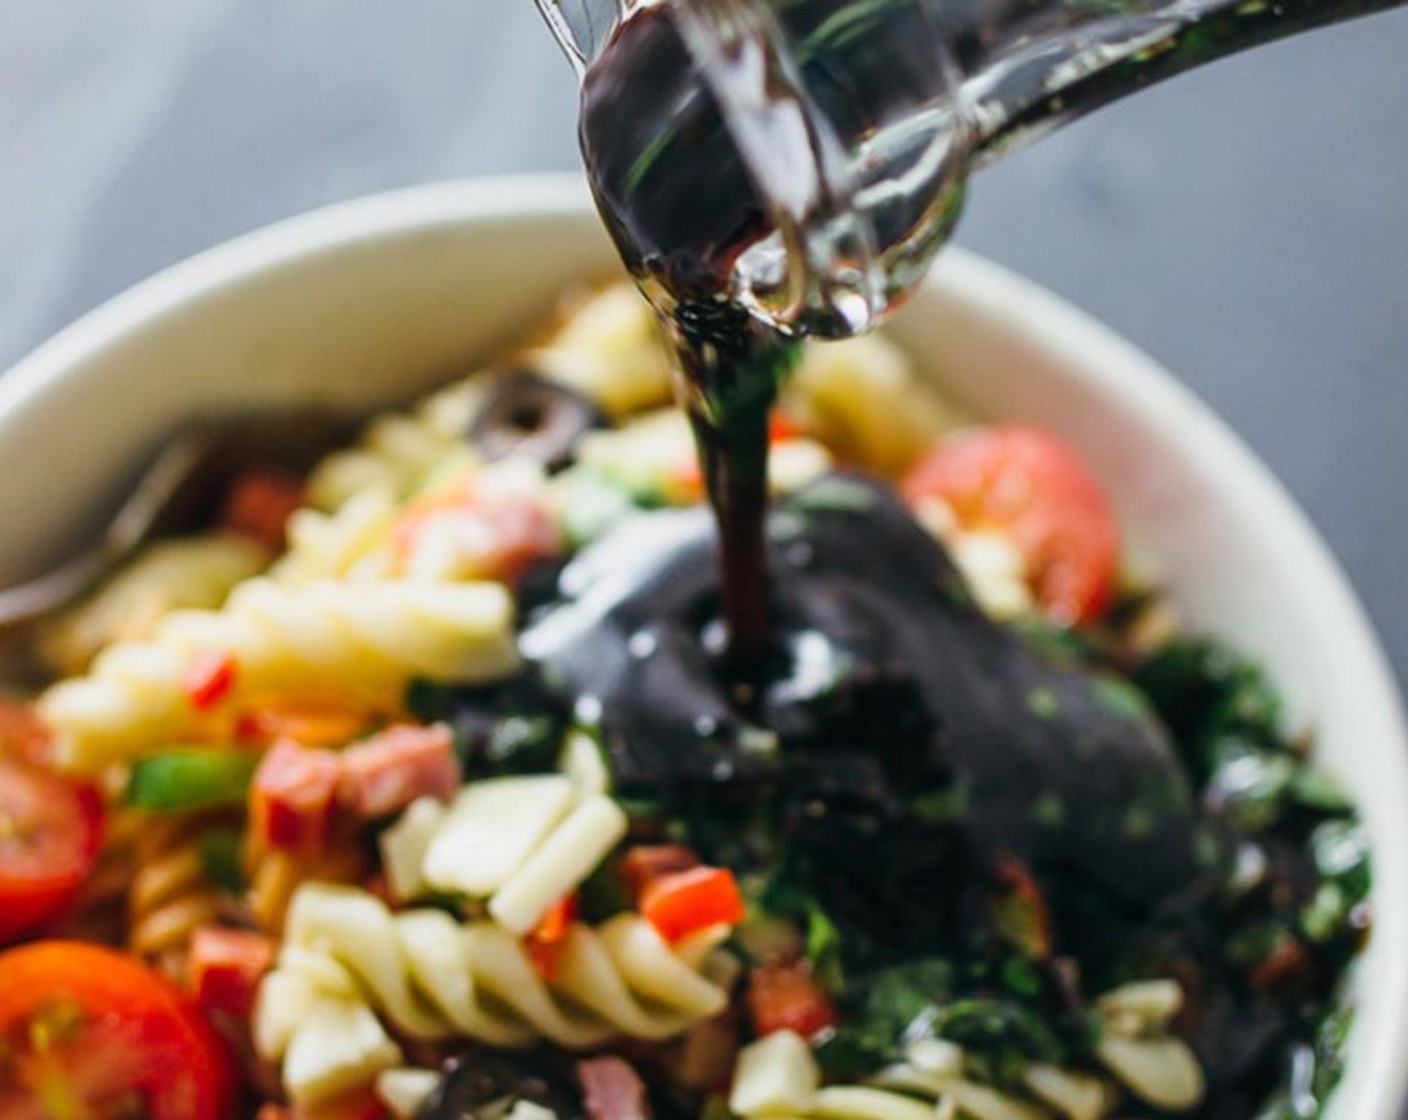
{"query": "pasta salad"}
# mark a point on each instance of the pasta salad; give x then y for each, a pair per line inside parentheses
(414, 788)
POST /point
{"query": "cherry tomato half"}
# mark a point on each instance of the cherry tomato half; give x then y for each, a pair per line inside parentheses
(89, 1031)
(1028, 485)
(50, 829)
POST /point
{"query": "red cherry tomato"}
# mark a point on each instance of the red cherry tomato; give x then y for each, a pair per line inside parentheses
(1028, 485)
(50, 829)
(89, 1031)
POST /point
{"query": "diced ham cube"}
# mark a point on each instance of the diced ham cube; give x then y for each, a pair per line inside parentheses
(463, 533)
(226, 966)
(292, 797)
(387, 772)
(788, 998)
(259, 504)
(643, 864)
(611, 1090)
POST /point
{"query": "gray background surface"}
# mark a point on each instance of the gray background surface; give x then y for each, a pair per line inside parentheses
(1247, 224)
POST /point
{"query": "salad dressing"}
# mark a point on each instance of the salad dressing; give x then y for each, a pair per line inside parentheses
(680, 227)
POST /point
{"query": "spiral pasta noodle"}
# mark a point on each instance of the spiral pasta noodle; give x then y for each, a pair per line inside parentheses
(396, 451)
(170, 895)
(366, 640)
(183, 573)
(430, 977)
(863, 399)
(778, 1076)
(275, 876)
(101, 909)
(608, 348)
(521, 843)
(337, 545)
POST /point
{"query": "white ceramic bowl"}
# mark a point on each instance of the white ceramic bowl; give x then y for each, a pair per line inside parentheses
(375, 299)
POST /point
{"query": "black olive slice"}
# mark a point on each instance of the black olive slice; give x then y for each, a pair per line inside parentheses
(526, 414)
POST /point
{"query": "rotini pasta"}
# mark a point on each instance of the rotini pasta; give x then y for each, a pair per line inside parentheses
(170, 895)
(652, 457)
(862, 398)
(777, 1076)
(338, 545)
(321, 792)
(608, 348)
(367, 640)
(396, 451)
(521, 843)
(429, 977)
(274, 877)
(185, 573)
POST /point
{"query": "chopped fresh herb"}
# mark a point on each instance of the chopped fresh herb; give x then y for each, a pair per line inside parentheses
(821, 940)
(941, 806)
(1316, 790)
(1020, 977)
(510, 728)
(1059, 645)
(1000, 1038)
(1043, 702)
(882, 1012)
(1327, 915)
(1249, 784)
(1119, 698)
(824, 949)
(1049, 810)
(1202, 691)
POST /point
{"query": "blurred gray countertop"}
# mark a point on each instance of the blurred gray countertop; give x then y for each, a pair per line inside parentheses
(1247, 224)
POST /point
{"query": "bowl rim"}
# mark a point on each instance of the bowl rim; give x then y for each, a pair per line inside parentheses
(1094, 353)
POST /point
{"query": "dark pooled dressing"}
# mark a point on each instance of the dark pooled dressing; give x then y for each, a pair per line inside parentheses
(882, 681)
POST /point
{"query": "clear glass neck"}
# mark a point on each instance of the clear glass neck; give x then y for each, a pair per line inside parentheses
(857, 122)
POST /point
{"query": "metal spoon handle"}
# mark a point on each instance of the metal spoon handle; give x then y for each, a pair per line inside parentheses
(25, 604)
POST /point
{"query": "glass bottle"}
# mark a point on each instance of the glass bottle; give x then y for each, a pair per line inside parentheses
(807, 158)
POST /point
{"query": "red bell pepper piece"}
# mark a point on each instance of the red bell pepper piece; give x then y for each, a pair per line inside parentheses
(209, 678)
(684, 902)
